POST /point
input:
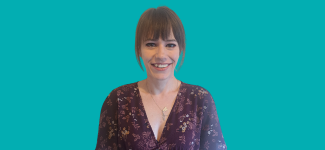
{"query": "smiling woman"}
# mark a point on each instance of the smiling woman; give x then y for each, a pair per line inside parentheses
(160, 112)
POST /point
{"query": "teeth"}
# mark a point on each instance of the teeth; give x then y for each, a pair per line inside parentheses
(161, 66)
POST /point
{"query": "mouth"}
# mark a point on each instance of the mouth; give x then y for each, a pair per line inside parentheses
(161, 65)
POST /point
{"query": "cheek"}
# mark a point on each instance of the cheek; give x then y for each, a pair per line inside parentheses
(175, 56)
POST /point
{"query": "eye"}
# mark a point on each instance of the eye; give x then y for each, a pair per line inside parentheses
(150, 44)
(171, 45)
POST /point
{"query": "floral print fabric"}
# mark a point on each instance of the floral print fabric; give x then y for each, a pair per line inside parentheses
(192, 124)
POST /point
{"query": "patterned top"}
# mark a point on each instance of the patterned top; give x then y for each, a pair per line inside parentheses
(192, 123)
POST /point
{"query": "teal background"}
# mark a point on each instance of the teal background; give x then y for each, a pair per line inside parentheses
(262, 61)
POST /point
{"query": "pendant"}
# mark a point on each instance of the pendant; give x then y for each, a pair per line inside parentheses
(165, 109)
(164, 116)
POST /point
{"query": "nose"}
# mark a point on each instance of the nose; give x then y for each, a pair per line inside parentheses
(161, 53)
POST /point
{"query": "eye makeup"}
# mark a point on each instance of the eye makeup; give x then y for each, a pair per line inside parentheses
(167, 45)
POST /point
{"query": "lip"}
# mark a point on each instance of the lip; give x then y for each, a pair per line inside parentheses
(160, 69)
(161, 63)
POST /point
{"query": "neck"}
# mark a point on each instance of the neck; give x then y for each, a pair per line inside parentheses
(162, 87)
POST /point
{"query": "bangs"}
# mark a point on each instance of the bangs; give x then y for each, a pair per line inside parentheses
(156, 25)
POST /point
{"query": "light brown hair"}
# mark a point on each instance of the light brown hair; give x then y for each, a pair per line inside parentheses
(155, 23)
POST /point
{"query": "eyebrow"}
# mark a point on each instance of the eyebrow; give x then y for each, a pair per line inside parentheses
(169, 40)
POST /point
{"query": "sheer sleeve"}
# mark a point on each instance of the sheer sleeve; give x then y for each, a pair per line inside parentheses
(107, 133)
(211, 137)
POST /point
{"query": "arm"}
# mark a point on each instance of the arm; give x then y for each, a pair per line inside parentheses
(107, 132)
(211, 135)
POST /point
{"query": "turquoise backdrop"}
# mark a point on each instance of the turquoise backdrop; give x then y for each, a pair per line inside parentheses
(262, 61)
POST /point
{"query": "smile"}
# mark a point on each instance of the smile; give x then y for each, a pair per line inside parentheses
(160, 67)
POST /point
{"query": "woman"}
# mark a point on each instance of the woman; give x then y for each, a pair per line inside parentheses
(159, 112)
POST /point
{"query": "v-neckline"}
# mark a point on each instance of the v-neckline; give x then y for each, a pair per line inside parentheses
(168, 118)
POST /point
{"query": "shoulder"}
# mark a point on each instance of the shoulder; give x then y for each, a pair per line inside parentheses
(197, 95)
(193, 86)
(195, 90)
(124, 90)
(121, 92)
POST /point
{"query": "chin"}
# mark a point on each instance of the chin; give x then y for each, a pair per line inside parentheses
(161, 77)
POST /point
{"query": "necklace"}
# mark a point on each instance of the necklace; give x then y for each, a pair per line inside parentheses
(162, 110)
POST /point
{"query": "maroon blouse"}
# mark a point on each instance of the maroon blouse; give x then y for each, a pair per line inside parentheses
(192, 123)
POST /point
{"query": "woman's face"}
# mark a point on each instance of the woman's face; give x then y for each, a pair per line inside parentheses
(160, 57)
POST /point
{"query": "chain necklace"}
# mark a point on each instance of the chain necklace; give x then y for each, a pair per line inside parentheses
(162, 110)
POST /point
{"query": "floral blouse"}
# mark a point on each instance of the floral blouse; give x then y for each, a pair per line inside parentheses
(192, 124)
